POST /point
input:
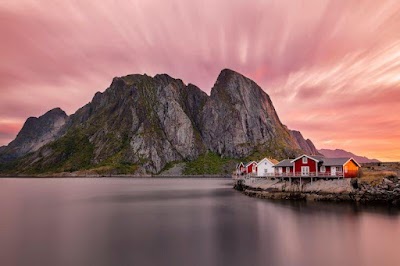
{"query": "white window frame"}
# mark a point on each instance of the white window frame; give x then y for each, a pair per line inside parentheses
(287, 169)
(323, 169)
(304, 159)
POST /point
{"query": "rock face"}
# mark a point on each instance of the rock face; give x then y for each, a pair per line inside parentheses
(35, 133)
(338, 153)
(306, 145)
(141, 123)
(239, 119)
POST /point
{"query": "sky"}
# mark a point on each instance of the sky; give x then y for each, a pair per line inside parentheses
(331, 68)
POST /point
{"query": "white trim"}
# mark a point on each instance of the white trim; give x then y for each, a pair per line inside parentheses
(287, 169)
(248, 164)
(292, 161)
(351, 159)
(324, 167)
(304, 160)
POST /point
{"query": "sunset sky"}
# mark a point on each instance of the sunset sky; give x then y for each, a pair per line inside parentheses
(332, 68)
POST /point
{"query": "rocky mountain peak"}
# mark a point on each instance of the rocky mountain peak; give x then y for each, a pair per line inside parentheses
(239, 119)
(305, 144)
(35, 133)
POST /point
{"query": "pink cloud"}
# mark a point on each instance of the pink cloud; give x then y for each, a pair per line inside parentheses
(318, 60)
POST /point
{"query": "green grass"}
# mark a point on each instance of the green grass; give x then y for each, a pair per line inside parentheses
(71, 153)
(210, 164)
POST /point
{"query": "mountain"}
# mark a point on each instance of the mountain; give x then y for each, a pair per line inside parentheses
(143, 124)
(306, 145)
(342, 154)
(35, 133)
(239, 119)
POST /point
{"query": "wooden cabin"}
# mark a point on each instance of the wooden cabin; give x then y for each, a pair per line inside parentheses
(240, 169)
(251, 168)
(265, 167)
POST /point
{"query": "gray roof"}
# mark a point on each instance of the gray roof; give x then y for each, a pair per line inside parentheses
(334, 161)
(284, 163)
(317, 157)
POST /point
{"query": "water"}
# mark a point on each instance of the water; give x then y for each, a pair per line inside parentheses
(183, 222)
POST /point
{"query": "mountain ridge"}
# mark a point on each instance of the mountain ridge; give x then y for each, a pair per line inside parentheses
(339, 153)
(141, 124)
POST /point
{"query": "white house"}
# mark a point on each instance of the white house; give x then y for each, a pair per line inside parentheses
(265, 167)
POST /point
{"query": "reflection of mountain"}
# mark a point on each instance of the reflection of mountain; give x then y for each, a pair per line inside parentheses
(342, 153)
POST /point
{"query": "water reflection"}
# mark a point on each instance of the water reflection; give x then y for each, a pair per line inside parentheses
(183, 222)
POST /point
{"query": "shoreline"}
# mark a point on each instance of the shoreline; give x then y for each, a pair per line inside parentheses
(344, 190)
(115, 176)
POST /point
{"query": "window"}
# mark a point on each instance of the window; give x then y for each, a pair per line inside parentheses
(323, 169)
(305, 160)
(287, 169)
(305, 171)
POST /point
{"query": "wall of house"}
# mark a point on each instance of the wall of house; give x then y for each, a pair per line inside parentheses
(290, 168)
(251, 167)
(350, 169)
(327, 169)
(310, 163)
(264, 167)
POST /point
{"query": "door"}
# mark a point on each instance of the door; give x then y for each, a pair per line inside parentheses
(305, 171)
(333, 171)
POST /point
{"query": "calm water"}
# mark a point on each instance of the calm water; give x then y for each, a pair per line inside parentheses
(183, 222)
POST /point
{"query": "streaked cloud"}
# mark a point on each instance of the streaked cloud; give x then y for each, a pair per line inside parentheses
(332, 68)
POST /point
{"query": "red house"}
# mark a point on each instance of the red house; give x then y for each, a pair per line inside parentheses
(251, 168)
(346, 167)
(318, 166)
(305, 166)
(240, 169)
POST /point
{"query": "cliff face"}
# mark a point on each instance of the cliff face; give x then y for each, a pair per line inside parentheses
(239, 119)
(35, 133)
(142, 123)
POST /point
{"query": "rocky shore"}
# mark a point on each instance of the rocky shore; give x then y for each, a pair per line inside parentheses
(349, 190)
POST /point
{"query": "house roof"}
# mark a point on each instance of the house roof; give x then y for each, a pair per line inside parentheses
(284, 163)
(272, 161)
(247, 164)
(337, 161)
(315, 158)
(239, 164)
